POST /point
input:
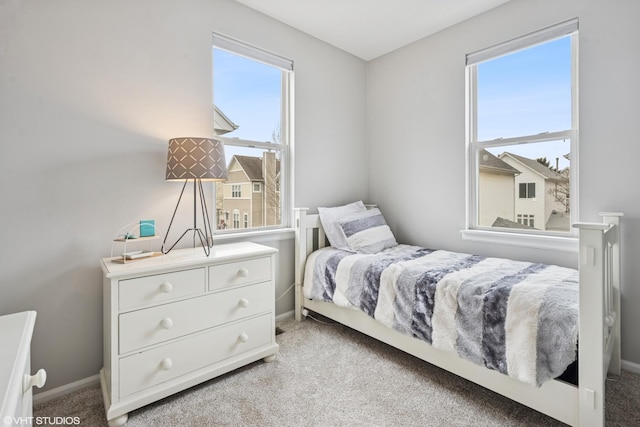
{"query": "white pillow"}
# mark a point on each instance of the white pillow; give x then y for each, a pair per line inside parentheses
(367, 232)
(329, 218)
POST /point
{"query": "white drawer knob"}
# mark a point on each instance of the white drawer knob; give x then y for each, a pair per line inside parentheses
(243, 337)
(37, 380)
(244, 303)
(243, 272)
(167, 323)
(166, 287)
(166, 364)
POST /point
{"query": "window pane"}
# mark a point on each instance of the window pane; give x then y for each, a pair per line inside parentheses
(252, 189)
(526, 184)
(248, 105)
(526, 92)
(249, 95)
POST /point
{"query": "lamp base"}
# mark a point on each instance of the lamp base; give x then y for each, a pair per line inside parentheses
(206, 236)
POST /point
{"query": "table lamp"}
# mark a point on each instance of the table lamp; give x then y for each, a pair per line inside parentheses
(196, 160)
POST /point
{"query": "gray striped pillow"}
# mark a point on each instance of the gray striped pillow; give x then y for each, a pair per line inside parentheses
(367, 232)
(329, 218)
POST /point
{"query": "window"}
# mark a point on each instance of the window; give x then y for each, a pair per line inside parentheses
(236, 219)
(522, 134)
(527, 190)
(236, 190)
(527, 220)
(252, 92)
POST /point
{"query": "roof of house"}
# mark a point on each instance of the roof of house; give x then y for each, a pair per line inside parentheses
(535, 165)
(491, 163)
(558, 221)
(221, 123)
(252, 166)
(507, 223)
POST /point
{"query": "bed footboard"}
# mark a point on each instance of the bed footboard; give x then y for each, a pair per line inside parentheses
(599, 349)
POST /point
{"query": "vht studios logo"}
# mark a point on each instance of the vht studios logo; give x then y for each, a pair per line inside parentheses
(37, 421)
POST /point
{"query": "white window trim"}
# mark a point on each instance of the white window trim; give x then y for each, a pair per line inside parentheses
(261, 235)
(565, 242)
(283, 231)
(236, 189)
(254, 53)
(526, 190)
(554, 243)
(523, 42)
(235, 219)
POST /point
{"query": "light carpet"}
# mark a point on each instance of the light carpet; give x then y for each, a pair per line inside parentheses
(330, 375)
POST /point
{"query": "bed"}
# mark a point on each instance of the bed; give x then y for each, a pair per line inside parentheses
(597, 319)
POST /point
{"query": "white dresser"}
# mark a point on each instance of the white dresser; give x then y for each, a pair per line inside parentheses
(16, 398)
(174, 321)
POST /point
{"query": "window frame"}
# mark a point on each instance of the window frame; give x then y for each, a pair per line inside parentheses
(236, 191)
(526, 219)
(563, 241)
(236, 220)
(528, 186)
(284, 148)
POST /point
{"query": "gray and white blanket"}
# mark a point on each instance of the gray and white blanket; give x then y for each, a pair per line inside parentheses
(518, 318)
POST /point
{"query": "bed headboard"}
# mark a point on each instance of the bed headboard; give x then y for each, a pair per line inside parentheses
(309, 236)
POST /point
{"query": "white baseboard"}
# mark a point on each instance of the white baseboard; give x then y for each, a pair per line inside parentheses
(65, 389)
(631, 367)
(285, 316)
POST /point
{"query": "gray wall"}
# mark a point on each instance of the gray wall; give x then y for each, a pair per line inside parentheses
(419, 89)
(90, 93)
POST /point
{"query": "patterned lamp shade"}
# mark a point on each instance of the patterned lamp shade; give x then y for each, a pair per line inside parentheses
(196, 158)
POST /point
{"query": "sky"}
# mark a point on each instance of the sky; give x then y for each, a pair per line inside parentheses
(526, 93)
(248, 93)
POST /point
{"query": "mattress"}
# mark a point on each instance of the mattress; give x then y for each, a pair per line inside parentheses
(518, 318)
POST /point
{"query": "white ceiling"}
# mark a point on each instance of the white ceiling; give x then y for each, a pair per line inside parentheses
(370, 28)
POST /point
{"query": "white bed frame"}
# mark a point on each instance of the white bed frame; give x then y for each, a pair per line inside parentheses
(599, 333)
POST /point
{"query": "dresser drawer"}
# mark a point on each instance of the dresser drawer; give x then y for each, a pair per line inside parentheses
(23, 400)
(146, 369)
(16, 400)
(240, 272)
(142, 328)
(159, 288)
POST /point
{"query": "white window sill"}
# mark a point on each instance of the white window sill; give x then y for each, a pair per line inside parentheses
(258, 236)
(554, 243)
